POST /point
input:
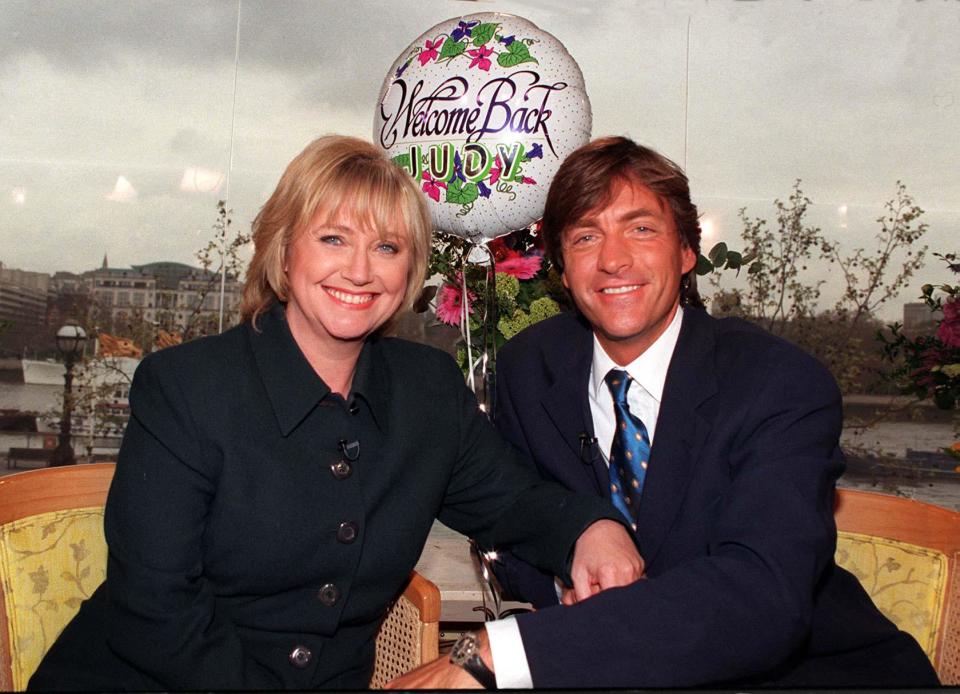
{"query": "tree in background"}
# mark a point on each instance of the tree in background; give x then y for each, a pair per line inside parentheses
(781, 297)
(219, 259)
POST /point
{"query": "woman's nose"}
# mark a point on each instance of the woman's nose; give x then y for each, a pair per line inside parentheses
(357, 270)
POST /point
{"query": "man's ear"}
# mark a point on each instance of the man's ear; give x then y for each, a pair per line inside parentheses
(688, 259)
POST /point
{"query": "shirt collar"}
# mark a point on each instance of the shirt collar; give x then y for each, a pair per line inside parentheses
(371, 381)
(293, 387)
(649, 369)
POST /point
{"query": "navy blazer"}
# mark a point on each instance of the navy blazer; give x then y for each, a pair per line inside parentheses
(736, 521)
(252, 545)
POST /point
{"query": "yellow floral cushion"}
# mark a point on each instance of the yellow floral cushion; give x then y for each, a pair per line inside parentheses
(49, 563)
(906, 582)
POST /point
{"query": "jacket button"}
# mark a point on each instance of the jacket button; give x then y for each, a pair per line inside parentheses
(347, 532)
(341, 469)
(328, 594)
(300, 656)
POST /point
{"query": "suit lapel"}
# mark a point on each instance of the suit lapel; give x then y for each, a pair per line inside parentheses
(681, 430)
(566, 401)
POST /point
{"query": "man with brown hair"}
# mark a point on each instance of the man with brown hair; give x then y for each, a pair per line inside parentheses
(717, 441)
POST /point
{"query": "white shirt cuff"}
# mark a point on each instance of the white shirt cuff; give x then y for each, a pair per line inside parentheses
(509, 658)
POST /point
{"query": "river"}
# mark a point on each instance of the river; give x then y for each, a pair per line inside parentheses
(889, 438)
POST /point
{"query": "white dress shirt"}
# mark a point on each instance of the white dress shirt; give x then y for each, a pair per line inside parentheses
(649, 372)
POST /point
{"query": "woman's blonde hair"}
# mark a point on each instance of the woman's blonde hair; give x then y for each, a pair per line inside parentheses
(339, 175)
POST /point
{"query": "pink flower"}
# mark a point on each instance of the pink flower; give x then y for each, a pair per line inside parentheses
(522, 267)
(951, 311)
(429, 51)
(949, 330)
(528, 180)
(480, 58)
(495, 171)
(432, 188)
(449, 304)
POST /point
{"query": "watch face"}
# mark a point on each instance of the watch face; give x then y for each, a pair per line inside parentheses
(464, 649)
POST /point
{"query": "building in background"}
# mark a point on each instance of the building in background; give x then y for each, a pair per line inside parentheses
(23, 309)
(131, 302)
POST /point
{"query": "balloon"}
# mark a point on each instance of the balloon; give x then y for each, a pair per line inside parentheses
(481, 110)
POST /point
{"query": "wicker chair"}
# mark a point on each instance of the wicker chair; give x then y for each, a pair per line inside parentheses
(907, 555)
(410, 635)
(53, 556)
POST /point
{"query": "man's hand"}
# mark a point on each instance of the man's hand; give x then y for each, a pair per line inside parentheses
(604, 557)
(442, 674)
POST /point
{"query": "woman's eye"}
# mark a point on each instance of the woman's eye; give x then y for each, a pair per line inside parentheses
(331, 239)
(390, 248)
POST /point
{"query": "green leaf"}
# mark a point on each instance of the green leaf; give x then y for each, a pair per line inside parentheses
(402, 160)
(517, 53)
(734, 260)
(755, 267)
(718, 254)
(461, 193)
(451, 48)
(482, 33)
(704, 266)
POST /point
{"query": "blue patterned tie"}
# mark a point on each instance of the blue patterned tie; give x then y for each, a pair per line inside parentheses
(630, 450)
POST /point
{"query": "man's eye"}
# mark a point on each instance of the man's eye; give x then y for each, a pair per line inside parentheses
(580, 239)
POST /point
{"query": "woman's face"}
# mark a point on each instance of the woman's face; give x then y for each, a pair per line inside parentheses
(344, 279)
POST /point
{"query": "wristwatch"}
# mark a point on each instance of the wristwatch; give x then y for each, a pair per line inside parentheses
(466, 654)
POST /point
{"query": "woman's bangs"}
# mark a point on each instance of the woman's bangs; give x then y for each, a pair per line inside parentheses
(376, 202)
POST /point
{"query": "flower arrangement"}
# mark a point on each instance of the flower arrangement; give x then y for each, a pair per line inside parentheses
(512, 287)
(929, 365)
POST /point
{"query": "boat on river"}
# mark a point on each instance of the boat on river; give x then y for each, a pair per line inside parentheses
(102, 386)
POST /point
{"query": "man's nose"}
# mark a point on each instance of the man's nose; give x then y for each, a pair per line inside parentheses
(614, 254)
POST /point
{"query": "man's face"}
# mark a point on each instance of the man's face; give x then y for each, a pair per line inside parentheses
(622, 264)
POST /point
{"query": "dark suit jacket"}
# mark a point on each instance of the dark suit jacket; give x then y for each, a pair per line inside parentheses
(736, 521)
(227, 548)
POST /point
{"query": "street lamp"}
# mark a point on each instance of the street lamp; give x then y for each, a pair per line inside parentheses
(70, 339)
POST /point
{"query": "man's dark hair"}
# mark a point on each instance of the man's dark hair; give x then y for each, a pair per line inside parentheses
(585, 181)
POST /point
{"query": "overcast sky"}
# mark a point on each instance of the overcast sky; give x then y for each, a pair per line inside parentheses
(106, 106)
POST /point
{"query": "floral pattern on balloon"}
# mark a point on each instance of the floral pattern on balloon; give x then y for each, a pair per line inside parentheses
(481, 110)
(457, 44)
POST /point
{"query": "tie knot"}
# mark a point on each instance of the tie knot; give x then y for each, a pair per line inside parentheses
(618, 381)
